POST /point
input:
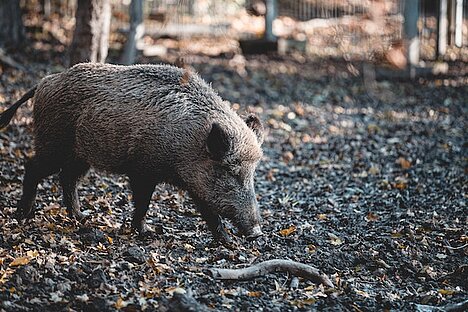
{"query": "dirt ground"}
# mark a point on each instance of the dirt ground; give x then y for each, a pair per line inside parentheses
(365, 180)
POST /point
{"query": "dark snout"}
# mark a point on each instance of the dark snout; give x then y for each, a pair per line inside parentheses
(254, 233)
(249, 222)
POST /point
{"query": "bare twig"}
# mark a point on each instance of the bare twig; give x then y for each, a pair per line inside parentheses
(456, 307)
(455, 248)
(263, 268)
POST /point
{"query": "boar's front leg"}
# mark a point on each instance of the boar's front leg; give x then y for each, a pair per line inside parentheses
(215, 225)
(142, 189)
(69, 177)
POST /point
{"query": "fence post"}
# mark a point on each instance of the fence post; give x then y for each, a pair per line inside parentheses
(459, 23)
(411, 14)
(271, 12)
(135, 32)
(442, 28)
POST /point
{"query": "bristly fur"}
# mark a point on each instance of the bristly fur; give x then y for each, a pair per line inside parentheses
(152, 123)
(7, 115)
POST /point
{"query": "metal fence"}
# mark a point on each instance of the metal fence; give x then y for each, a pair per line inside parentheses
(364, 27)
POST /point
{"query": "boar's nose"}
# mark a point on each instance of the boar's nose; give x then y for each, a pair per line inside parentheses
(254, 233)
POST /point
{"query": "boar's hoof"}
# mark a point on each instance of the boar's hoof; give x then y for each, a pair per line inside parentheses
(224, 239)
(142, 230)
(79, 216)
(22, 214)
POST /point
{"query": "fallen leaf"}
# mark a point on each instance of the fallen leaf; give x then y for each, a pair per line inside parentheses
(372, 217)
(334, 240)
(446, 292)
(288, 231)
(302, 303)
(189, 248)
(362, 293)
(20, 261)
(311, 248)
(405, 164)
(254, 294)
(374, 170)
(32, 253)
(82, 298)
(288, 156)
(400, 183)
(322, 216)
(120, 303)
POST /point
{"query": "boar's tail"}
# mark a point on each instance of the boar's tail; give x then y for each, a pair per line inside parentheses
(6, 116)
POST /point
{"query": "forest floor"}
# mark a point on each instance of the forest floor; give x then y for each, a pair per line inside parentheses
(365, 180)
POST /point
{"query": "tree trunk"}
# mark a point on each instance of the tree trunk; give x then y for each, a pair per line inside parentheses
(11, 24)
(91, 36)
(137, 29)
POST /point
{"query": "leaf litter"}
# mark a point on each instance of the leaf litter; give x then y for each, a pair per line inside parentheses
(371, 190)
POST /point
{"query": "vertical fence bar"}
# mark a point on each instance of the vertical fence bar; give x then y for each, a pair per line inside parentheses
(269, 18)
(442, 28)
(411, 14)
(459, 23)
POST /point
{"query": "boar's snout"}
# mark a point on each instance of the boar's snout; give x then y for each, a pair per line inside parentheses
(255, 233)
(249, 222)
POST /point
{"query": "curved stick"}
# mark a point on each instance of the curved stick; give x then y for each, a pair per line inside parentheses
(263, 268)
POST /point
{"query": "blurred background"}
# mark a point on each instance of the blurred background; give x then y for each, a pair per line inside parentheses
(366, 30)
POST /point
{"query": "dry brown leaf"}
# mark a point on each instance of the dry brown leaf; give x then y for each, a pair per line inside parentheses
(446, 292)
(120, 303)
(288, 156)
(374, 170)
(302, 303)
(405, 164)
(288, 231)
(254, 294)
(334, 240)
(401, 185)
(372, 217)
(311, 248)
(322, 216)
(20, 261)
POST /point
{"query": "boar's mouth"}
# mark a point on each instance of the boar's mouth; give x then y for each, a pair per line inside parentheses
(250, 231)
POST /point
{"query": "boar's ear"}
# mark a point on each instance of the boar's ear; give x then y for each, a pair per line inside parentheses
(254, 123)
(218, 143)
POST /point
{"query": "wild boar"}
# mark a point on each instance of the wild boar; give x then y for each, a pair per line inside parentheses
(153, 123)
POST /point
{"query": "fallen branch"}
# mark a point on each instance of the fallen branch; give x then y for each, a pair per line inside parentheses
(263, 268)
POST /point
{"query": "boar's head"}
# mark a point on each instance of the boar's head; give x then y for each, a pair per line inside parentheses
(224, 178)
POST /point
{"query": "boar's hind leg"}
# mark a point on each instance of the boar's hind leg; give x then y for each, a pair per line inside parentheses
(69, 177)
(36, 169)
(142, 190)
